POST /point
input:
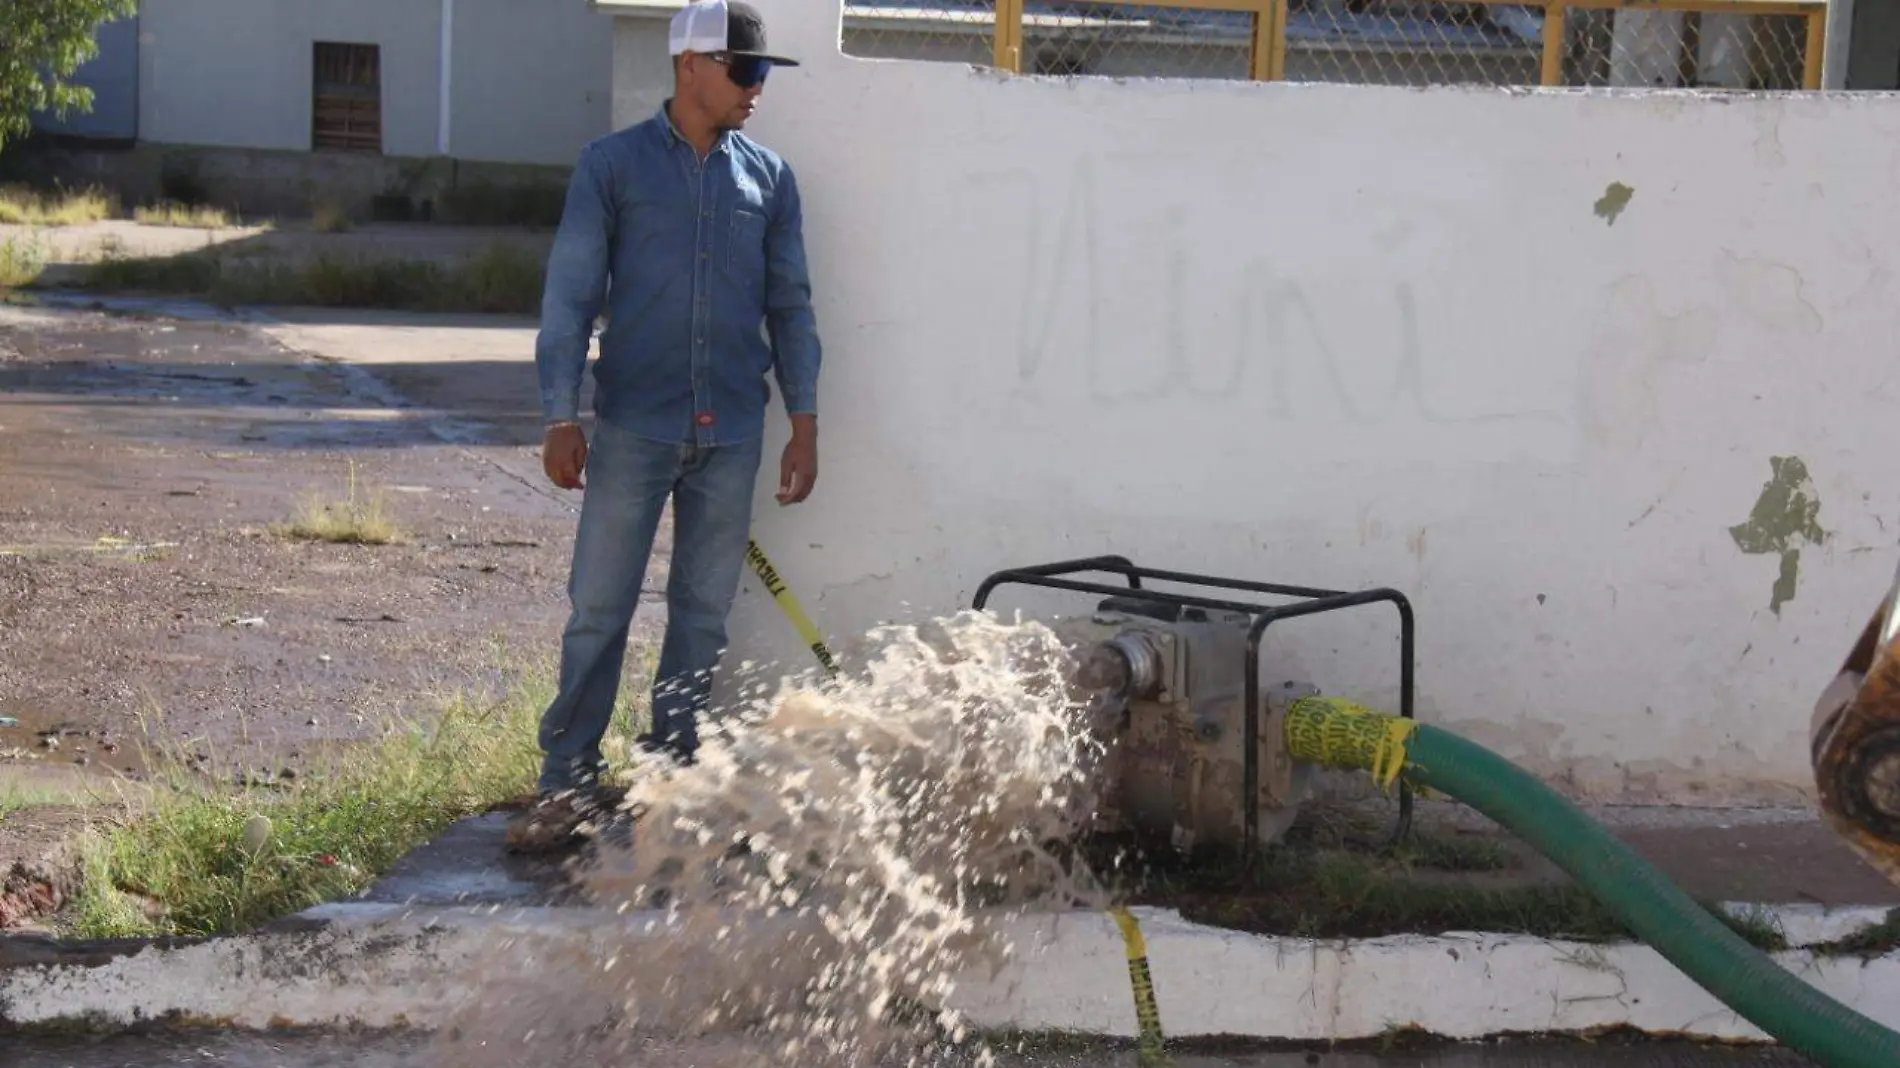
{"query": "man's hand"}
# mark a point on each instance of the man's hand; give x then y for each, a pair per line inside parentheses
(798, 468)
(564, 456)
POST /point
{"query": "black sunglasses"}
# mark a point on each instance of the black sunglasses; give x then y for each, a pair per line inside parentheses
(746, 72)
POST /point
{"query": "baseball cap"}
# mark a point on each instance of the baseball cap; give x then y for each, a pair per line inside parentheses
(731, 26)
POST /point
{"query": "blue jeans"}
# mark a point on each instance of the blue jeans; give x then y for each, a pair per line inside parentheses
(629, 480)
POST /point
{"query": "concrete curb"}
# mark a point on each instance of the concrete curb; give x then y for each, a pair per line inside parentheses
(377, 965)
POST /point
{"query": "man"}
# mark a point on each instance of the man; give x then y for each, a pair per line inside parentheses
(688, 235)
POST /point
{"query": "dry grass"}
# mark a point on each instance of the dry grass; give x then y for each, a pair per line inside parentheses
(498, 279)
(360, 518)
(185, 216)
(330, 217)
(20, 206)
(22, 261)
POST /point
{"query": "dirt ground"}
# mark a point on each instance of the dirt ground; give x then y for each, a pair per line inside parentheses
(144, 462)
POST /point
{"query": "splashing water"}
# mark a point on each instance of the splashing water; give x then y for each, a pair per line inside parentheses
(810, 890)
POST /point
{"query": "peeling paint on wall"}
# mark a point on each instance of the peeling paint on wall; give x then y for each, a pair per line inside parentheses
(1613, 201)
(1787, 512)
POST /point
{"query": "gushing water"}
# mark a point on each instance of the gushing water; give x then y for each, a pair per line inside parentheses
(810, 890)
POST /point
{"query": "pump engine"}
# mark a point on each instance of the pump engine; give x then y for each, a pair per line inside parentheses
(1196, 755)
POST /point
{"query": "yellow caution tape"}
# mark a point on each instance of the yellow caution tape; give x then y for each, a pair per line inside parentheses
(786, 601)
(1147, 1013)
(1337, 733)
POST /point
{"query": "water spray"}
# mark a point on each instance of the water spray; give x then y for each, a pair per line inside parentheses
(1147, 1012)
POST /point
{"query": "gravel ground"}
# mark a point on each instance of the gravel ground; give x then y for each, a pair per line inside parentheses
(146, 598)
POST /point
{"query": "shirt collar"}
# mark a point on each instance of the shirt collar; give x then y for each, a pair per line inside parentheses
(672, 132)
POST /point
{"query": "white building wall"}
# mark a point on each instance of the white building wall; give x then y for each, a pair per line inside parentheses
(238, 75)
(532, 81)
(643, 68)
(529, 82)
(1349, 337)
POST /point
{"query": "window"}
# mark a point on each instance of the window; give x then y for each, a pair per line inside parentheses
(347, 107)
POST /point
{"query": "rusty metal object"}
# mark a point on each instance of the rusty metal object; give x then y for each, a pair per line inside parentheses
(1855, 743)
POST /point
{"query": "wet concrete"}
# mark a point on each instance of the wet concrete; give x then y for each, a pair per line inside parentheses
(411, 1051)
(1783, 856)
(468, 865)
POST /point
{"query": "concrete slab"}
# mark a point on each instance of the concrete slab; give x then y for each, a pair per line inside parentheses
(385, 965)
(1776, 856)
(469, 865)
(406, 1050)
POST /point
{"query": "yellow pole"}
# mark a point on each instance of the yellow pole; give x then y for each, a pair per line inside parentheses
(1009, 35)
(1553, 70)
(1816, 51)
(1276, 43)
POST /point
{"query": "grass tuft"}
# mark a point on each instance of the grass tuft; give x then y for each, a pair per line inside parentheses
(22, 261)
(1877, 940)
(205, 859)
(499, 279)
(20, 206)
(361, 518)
(187, 216)
(328, 216)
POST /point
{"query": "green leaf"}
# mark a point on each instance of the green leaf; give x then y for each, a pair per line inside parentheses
(46, 42)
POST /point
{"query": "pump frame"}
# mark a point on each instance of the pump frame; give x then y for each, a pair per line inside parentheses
(1309, 602)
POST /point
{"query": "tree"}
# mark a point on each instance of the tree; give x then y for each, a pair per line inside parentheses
(43, 43)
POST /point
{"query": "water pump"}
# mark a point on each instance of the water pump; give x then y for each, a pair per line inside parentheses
(1197, 758)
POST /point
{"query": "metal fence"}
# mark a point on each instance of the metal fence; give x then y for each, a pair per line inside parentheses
(1723, 44)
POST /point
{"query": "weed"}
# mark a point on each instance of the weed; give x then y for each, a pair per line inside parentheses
(329, 216)
(192, 273)
(1456, 853)
(20, 206)
(15, 798)
(1327, 893)
(500, 279)
(189, 216)
(358, 519)
(491, 204)
(1877, 940)
(22, 260)
(210, 859)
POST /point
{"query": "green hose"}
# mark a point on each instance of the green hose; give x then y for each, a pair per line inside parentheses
(1339, 734)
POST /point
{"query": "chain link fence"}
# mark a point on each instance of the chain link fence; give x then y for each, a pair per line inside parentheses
(1688, 49)
(1405, 42)
(1127, 41)
(1721, 44)
(945, 31)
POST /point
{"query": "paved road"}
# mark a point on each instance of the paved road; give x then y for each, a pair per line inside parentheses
(408, 1052)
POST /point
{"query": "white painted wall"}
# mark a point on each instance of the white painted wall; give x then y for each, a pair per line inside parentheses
(530, 81)
(1357, 336)
(238, 75)
(643, 69)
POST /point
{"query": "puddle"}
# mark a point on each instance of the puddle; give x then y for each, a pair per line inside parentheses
(41, 738)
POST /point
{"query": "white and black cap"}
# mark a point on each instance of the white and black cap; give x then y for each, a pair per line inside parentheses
(733, 27)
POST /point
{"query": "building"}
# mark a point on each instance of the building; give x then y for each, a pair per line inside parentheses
(483, 80)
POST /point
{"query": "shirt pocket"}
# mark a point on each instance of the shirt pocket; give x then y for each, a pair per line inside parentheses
(745, 251)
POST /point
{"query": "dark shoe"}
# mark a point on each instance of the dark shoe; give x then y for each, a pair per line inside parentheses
(558, 821)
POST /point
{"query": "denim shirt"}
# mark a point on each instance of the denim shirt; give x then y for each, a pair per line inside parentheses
(709, 288)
